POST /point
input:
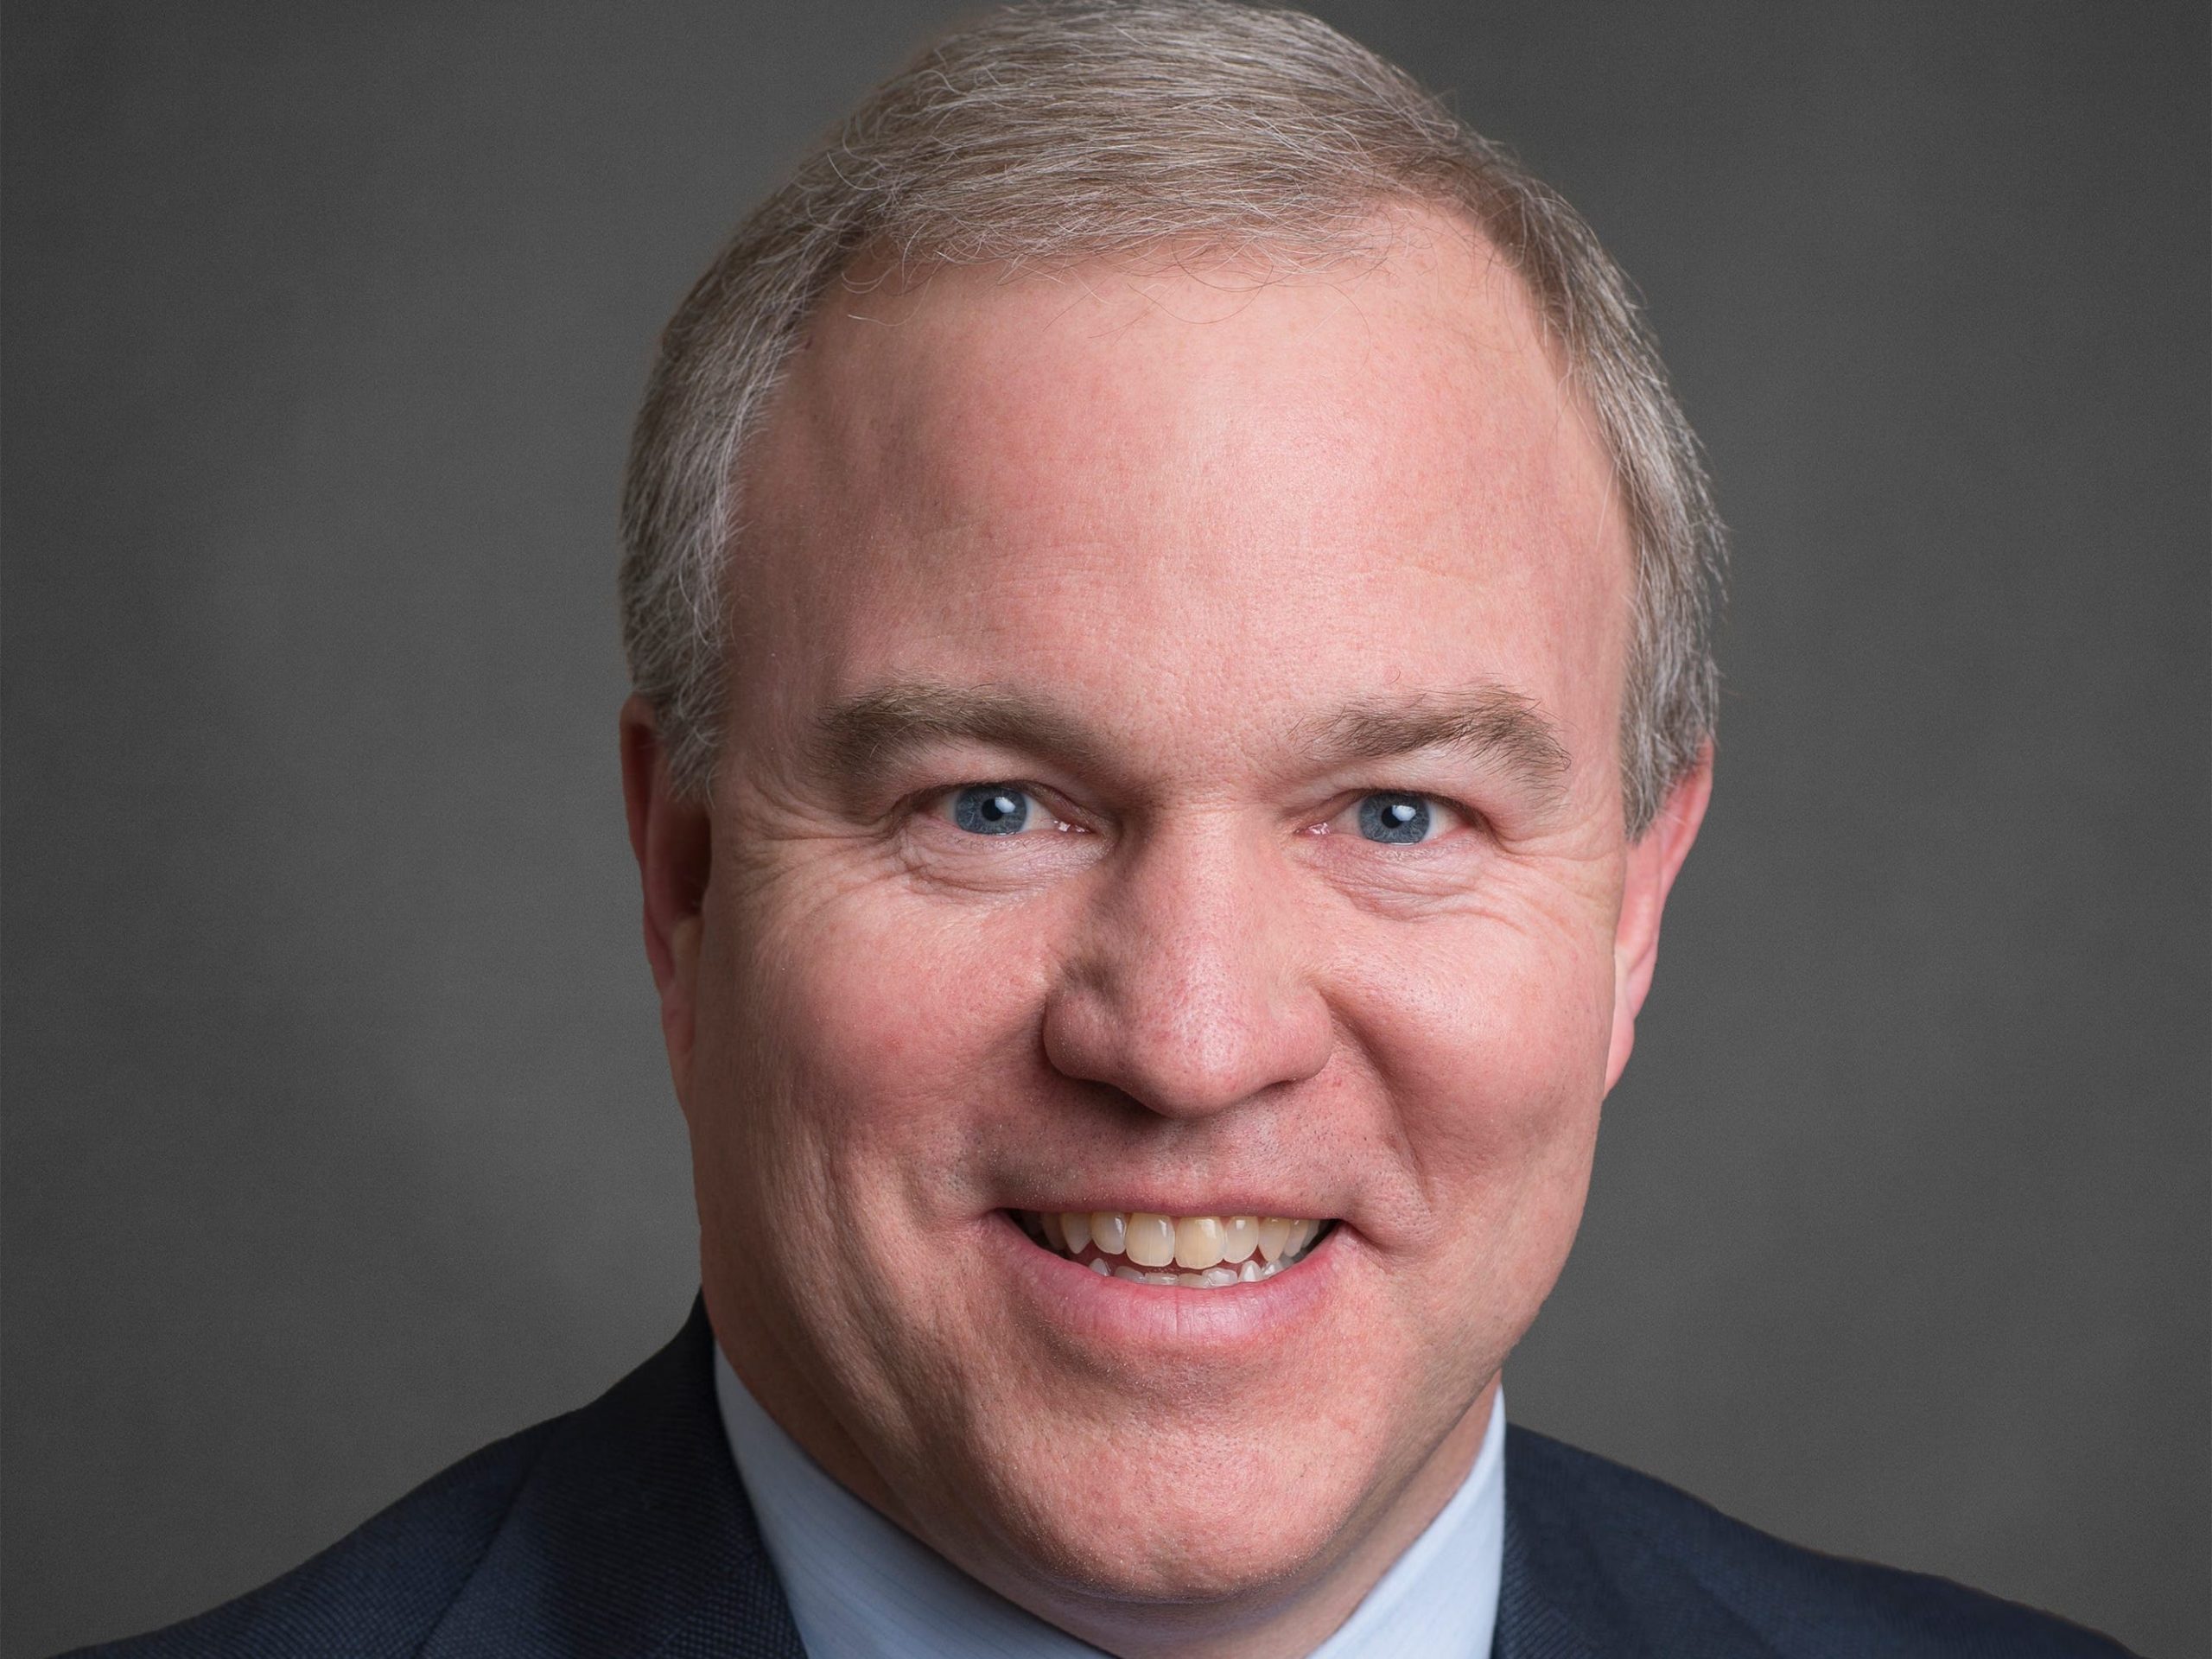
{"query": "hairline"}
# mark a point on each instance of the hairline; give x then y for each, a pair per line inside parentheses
(762, 295)
(1306, 253)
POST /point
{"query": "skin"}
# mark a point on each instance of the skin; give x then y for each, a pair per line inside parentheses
(1193, 545)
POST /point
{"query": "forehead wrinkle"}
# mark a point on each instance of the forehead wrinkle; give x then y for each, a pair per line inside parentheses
(1489, 723)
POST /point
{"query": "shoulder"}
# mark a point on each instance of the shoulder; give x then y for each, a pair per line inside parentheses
(1637, 1554)
(621, 1528)
(379, 1590)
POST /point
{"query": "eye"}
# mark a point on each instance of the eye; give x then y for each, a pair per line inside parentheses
(1399, 819)
(991, 809)
(998, 809)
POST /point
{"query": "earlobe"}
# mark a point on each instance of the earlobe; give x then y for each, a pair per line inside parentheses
(672, 839)
(1654, 860)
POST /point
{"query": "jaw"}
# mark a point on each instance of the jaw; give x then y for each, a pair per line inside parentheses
(1225, 1516)
(1084, 1444)
(1128, 1445)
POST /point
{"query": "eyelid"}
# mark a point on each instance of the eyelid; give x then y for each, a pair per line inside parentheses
(1456, 815)
(936, 802)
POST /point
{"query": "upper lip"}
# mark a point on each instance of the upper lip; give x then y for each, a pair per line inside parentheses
(1172, 1207)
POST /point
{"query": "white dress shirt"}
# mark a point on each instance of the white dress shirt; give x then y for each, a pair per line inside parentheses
(861, 1588)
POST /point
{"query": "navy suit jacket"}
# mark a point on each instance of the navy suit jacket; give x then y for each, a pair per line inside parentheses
(622, 1529)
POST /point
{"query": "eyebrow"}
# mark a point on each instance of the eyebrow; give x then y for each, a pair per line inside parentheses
(879, 729)
(1489, 724)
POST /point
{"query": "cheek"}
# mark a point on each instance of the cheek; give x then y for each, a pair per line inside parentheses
(1489, 1039)
(880, 1031)
(848, 1049)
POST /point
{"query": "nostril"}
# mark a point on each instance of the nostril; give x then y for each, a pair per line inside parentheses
(1181, 1042)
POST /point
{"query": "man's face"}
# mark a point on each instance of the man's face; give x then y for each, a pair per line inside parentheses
(1173, 771)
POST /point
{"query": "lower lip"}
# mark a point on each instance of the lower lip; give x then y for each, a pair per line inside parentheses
(1096, 1306)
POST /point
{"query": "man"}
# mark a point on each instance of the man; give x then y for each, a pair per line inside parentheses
(1169, 599)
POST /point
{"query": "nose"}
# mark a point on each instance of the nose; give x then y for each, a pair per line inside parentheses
(1187, 989)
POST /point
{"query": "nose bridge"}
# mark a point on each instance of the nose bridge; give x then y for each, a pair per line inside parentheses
(1191, 990)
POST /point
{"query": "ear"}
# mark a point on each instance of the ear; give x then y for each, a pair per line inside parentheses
(673, 840)
(1654, 860)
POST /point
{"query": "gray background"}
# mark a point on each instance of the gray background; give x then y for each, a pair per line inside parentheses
(338, 1140)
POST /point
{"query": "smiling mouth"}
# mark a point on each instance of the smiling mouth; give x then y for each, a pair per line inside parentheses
(1193, 1252)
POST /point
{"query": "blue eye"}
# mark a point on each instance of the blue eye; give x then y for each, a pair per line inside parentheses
(1398, 819)
(991, 809)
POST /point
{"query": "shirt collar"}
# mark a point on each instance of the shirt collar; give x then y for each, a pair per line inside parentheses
(861, 1588)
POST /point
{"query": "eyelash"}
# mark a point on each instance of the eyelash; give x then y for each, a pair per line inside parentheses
(941, 804)
(1456, 816)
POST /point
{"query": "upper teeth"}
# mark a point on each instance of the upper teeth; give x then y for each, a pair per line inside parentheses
(1200, 1245)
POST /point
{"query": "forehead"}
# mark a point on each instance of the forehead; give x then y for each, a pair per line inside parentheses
(1220, 474)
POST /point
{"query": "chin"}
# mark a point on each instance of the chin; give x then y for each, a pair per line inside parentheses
(1159, 1517)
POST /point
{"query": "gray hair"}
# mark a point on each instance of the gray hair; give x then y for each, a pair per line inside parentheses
(1108, 128)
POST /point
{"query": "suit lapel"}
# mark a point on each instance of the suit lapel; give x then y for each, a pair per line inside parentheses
(631, 1535)
(1556, 1598)
(1530, 1623)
